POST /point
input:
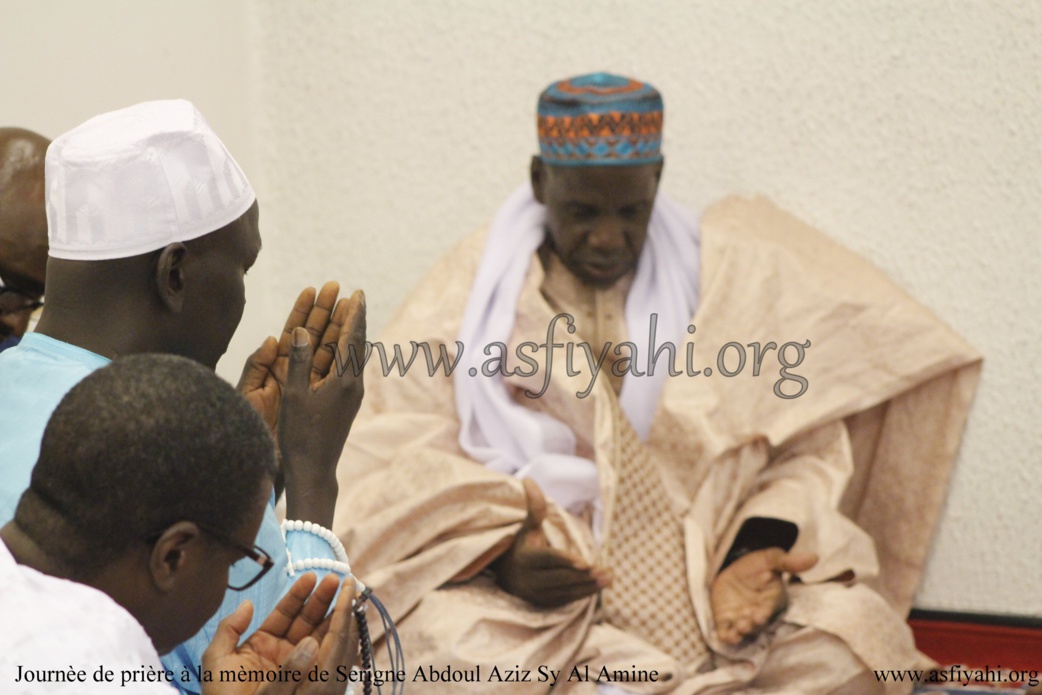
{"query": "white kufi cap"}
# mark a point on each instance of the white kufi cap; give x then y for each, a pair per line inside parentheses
(132, 181)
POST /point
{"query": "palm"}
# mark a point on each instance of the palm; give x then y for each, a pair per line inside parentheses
(265, 372)
(748, 594)
(261, 652)
(265, 400)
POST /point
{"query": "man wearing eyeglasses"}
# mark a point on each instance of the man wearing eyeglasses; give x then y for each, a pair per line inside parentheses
(152, 226)
(105, 576)
(23, 231)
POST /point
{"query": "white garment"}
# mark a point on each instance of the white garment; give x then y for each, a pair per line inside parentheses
(52, 625)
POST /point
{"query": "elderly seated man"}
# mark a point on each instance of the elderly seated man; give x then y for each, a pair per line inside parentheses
(151, 485)
(23, 231)
(672, 456)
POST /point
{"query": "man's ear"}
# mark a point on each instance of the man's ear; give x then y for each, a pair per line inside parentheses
(170, 276)
(537, 172)
(173, 553)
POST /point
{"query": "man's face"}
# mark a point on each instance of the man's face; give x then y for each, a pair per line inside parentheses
(215, 289)
(201, 595)
(597, 216)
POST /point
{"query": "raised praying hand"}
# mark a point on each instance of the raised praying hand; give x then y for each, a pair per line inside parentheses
(323, 317)
(310, 406)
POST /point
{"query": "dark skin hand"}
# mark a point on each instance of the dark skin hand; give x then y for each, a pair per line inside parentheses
(530, 569)
(750, 593)
(315, 417)
(293, 385)
(296, 636)
(264, 375)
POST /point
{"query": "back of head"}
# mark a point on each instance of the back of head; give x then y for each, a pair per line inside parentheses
(151, 224)
(136, 446)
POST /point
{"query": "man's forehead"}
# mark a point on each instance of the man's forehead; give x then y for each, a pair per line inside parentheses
(621, 183)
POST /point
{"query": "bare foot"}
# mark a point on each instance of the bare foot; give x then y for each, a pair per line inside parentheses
(751, 592)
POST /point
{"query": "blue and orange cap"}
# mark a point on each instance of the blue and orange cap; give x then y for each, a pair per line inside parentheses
(600, 119)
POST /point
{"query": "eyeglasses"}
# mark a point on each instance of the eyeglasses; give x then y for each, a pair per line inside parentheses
(244, 572)
(14, 301)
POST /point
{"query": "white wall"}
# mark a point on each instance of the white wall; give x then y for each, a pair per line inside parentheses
(379, 133)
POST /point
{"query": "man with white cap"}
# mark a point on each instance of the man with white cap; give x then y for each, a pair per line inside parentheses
(606, 501)
(23, 230)
(152, 228)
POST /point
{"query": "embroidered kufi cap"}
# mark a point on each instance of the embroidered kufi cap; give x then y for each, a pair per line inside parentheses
(600, 119)
(132, 181)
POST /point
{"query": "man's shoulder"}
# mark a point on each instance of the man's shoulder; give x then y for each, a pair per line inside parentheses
(42, 353)
(775, 241)
(34, 377)
(50, 618)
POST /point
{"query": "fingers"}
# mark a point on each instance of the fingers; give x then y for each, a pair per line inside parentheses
(318, 317)
(298, 660)
(258, 365)
(289, 607)
(353, 332)
(794, 563)
(733, 632)
(324, 355)
(551, 578)
(748, 621)
(780, 561)
(298, 316)
(314, 612)
(299, 363)
(229, 632)
(340, 644)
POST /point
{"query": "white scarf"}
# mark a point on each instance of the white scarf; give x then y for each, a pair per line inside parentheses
(512, 439)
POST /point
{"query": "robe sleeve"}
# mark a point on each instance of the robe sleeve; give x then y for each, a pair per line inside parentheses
(802, 484)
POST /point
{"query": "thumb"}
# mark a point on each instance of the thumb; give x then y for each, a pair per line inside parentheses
(229, 632)
(794, 563)
(536, 505)
(297, 377)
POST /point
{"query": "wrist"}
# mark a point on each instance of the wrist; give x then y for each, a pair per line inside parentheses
(311, 498)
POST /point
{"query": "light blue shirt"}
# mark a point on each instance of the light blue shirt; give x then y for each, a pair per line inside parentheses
(34, 376)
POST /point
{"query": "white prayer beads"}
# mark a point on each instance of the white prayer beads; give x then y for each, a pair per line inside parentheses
(320, 531)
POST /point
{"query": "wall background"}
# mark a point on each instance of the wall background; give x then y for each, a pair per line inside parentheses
(377, 134)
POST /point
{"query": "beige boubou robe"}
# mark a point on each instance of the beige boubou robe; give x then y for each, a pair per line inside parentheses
(860, 462)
